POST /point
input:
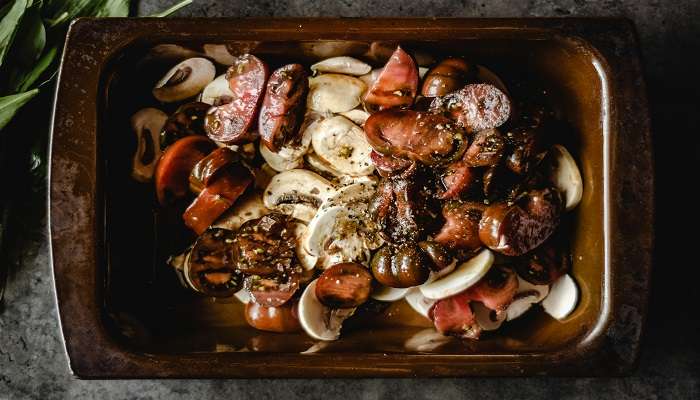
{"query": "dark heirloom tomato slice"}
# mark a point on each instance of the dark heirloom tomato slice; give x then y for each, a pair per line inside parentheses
(400, 266)
(187, 120)
(461, 229)
(217, 197)
(428, 138)
(274, 290)
(211, 268)
(388, 165)
(344, 285)
(436, 253)
(446, 77)
(283, 106)
(453, 316)
(210, 166)
(516, 229)
(266, 246)
(396, 85)
(475, 107)
(486, 149)
(495, 290)
(176, 163)
(457, 178)
(230, 123)
(545, 264)
(282, 319)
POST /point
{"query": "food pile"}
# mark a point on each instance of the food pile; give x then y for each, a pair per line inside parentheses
(313, 192)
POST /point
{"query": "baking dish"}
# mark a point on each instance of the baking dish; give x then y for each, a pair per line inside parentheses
(123, 314)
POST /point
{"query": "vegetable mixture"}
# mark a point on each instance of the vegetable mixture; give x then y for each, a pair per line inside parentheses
(314, 191)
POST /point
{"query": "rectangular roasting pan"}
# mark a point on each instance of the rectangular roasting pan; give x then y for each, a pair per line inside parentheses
(123, 314)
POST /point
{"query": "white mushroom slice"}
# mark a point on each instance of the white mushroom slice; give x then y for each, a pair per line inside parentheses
(297, 192)
(185, 80)
(218, 53)
(562, 298)
(341, 230)
(565, 176)
(464, 276)
(371, 77)
(217, 92)
(146, 124)
(317, 320)
(334, 93)
(287, 158)
(426, 340)
(307, 261)
(320, 166)
(359, 192)
(243, 296)
(301, 211)
(422, 71)
(343, 145)
(487, 319)
(527, 295)
(418, 302)
(389, 294)
(342, 65)
(344, 232)
(248, 207)
(357, 115)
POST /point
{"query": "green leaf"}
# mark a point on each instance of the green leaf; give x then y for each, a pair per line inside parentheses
(9, 105)
(112, 8)
(32, 75)
(8, 25)
(26, 48)
(172, 9)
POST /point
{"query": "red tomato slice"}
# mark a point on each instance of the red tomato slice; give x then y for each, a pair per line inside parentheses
(396, 85)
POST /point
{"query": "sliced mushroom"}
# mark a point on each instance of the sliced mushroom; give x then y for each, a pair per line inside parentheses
(527, 295)
(318, 321)
(319, 165)
(243, 296)
(342, 228)
(488, 320)
(341, 65)
(357, 115)
(184, 80)
(463, 277)
(565, 176)
(418, 302)
(307, 261)
(217, 92)
(389, 294)
(289, 156)
(298, 193)
(334, 93)
(343, 145)
(248, 207)
(146, 124)
(371, 77)
(562, 298)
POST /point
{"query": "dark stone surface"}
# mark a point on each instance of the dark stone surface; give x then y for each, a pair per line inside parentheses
(33, 365)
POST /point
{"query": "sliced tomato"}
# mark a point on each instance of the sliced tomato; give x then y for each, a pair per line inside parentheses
(176, 163)
(454, 316)
(496, 289)
(457, 178)
(230, 123)
(283, 106)
(217, 198)
(396, 85)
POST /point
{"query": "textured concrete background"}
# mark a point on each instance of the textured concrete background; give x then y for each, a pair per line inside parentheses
(33, 365)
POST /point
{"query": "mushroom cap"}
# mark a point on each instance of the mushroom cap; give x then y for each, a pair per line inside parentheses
(184, 80)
